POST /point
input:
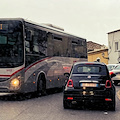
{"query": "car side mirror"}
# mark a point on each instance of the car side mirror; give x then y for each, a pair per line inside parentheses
(113, 75)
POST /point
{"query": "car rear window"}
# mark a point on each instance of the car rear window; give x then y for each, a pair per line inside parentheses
(84, 69)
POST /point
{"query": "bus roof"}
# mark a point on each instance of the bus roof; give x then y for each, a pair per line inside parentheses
(53, 28)
(50, 28)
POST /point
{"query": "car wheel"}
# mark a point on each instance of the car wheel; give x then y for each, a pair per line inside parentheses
(66, 105)
(115, 82)
(111, 106)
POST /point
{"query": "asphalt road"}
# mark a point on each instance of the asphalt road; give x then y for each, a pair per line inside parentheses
(50, 108)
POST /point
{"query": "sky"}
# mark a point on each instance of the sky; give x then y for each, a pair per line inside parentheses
(89, 19)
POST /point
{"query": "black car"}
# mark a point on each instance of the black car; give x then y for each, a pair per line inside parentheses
(89, 82)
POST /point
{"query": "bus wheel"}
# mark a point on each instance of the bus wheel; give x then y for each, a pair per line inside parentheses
(41, 87)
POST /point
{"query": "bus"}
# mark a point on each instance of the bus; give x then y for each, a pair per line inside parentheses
(34, 57)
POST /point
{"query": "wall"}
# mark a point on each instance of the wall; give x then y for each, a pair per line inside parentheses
(112, 38)
(92, 56)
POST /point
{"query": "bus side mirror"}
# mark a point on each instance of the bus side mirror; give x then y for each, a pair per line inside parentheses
(112, 74)
(67, 75)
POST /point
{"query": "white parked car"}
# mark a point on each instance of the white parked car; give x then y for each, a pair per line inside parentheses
(111, 66)
(116, 71)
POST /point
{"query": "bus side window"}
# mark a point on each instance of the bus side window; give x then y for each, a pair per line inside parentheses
(27, 46)
(28, 35)
(58, 42)
(35, 44)
(39, 42)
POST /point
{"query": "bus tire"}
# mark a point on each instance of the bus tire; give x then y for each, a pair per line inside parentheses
(41, 86)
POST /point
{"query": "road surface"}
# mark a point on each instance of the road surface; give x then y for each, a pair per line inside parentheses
(50, 107)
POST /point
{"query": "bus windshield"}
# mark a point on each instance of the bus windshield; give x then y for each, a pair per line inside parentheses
(11, 44)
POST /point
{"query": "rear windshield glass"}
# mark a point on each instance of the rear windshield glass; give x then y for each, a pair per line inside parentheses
(90, 69)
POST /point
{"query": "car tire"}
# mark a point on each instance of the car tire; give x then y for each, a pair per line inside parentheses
(66, 105)
(111, 106)
(115, 82)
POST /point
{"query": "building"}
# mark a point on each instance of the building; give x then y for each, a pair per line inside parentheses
(97, 51)
(91, 46)
(114, 46)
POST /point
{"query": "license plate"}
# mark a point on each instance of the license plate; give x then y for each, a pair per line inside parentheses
(88, 93)
(88, 85)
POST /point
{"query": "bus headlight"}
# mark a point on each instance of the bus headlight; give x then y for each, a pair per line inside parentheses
(15, 84)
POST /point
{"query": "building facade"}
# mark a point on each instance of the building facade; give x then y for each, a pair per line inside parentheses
(91, 46)
(97, 51)
(114, 47)
(101, 54)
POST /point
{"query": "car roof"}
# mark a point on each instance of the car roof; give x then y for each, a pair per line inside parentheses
(112, 64)
(95, 63)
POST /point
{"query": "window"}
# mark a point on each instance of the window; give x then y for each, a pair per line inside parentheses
(57, 37)
(27, 46)
(74, 42)
(11, 44)
(86, 69)
(35, 43)
(116, 46)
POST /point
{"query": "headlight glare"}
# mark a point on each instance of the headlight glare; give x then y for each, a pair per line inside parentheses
(15, 83)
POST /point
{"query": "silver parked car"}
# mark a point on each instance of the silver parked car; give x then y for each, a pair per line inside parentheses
(111, 66)
(116, 71)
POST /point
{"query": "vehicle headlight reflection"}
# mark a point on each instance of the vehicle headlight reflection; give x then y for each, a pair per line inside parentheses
(15, 84)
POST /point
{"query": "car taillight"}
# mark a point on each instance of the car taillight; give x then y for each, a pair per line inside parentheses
(108, 84)
(70, 83)
(108, 99)
(70, 98)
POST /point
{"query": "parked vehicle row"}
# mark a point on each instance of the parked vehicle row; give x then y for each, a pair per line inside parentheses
(89, 82)
(112, 66)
